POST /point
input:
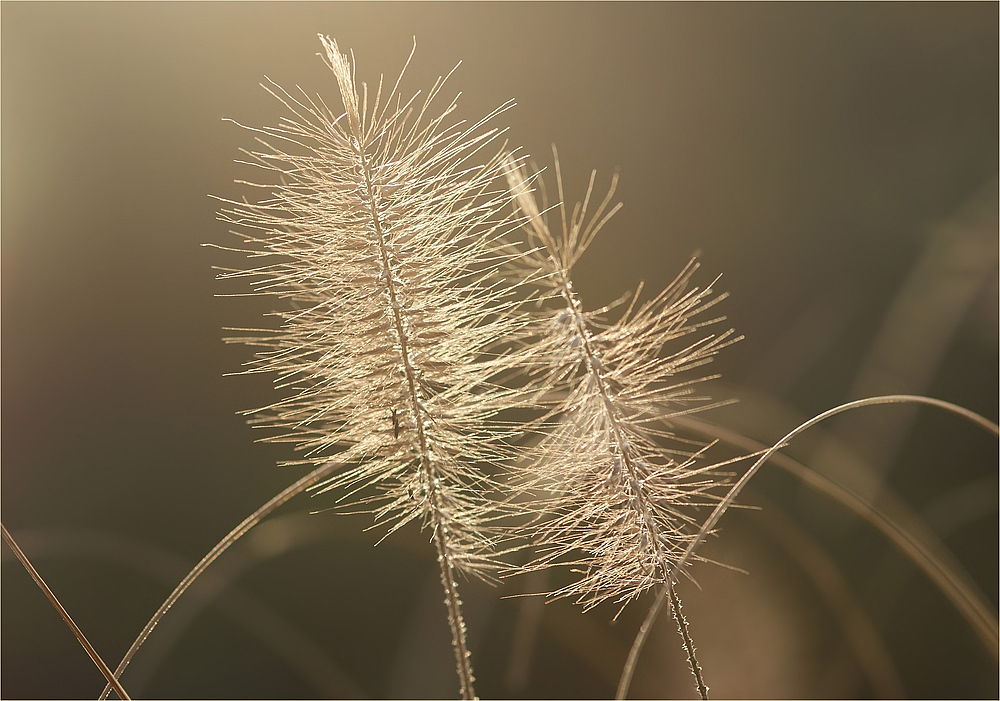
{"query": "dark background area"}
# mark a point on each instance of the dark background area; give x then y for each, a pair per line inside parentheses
(836, 162)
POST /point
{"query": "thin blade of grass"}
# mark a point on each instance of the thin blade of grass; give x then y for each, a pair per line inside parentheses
(829, 583)
(113, 683)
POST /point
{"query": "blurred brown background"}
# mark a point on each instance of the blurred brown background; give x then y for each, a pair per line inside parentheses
(837, 162)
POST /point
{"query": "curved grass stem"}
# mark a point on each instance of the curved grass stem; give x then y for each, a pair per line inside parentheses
(971, 606)
(724, 505)
(900, 526)
(249, 522)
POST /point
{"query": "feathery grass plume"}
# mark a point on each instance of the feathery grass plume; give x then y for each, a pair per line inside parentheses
(383, 233)
(620, 500)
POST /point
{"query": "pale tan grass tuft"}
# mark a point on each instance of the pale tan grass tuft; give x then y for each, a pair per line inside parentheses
(381, 232)
(617, 490)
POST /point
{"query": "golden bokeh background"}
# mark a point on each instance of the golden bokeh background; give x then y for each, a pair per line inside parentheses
(835, 162)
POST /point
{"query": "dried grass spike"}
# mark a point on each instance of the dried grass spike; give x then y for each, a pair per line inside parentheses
(381, 232)
(621, 486)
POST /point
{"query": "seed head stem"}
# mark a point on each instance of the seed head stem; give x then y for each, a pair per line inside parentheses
(440, 528)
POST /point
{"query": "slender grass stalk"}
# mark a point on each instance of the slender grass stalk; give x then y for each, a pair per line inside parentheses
(682, 628)
(50, 595)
